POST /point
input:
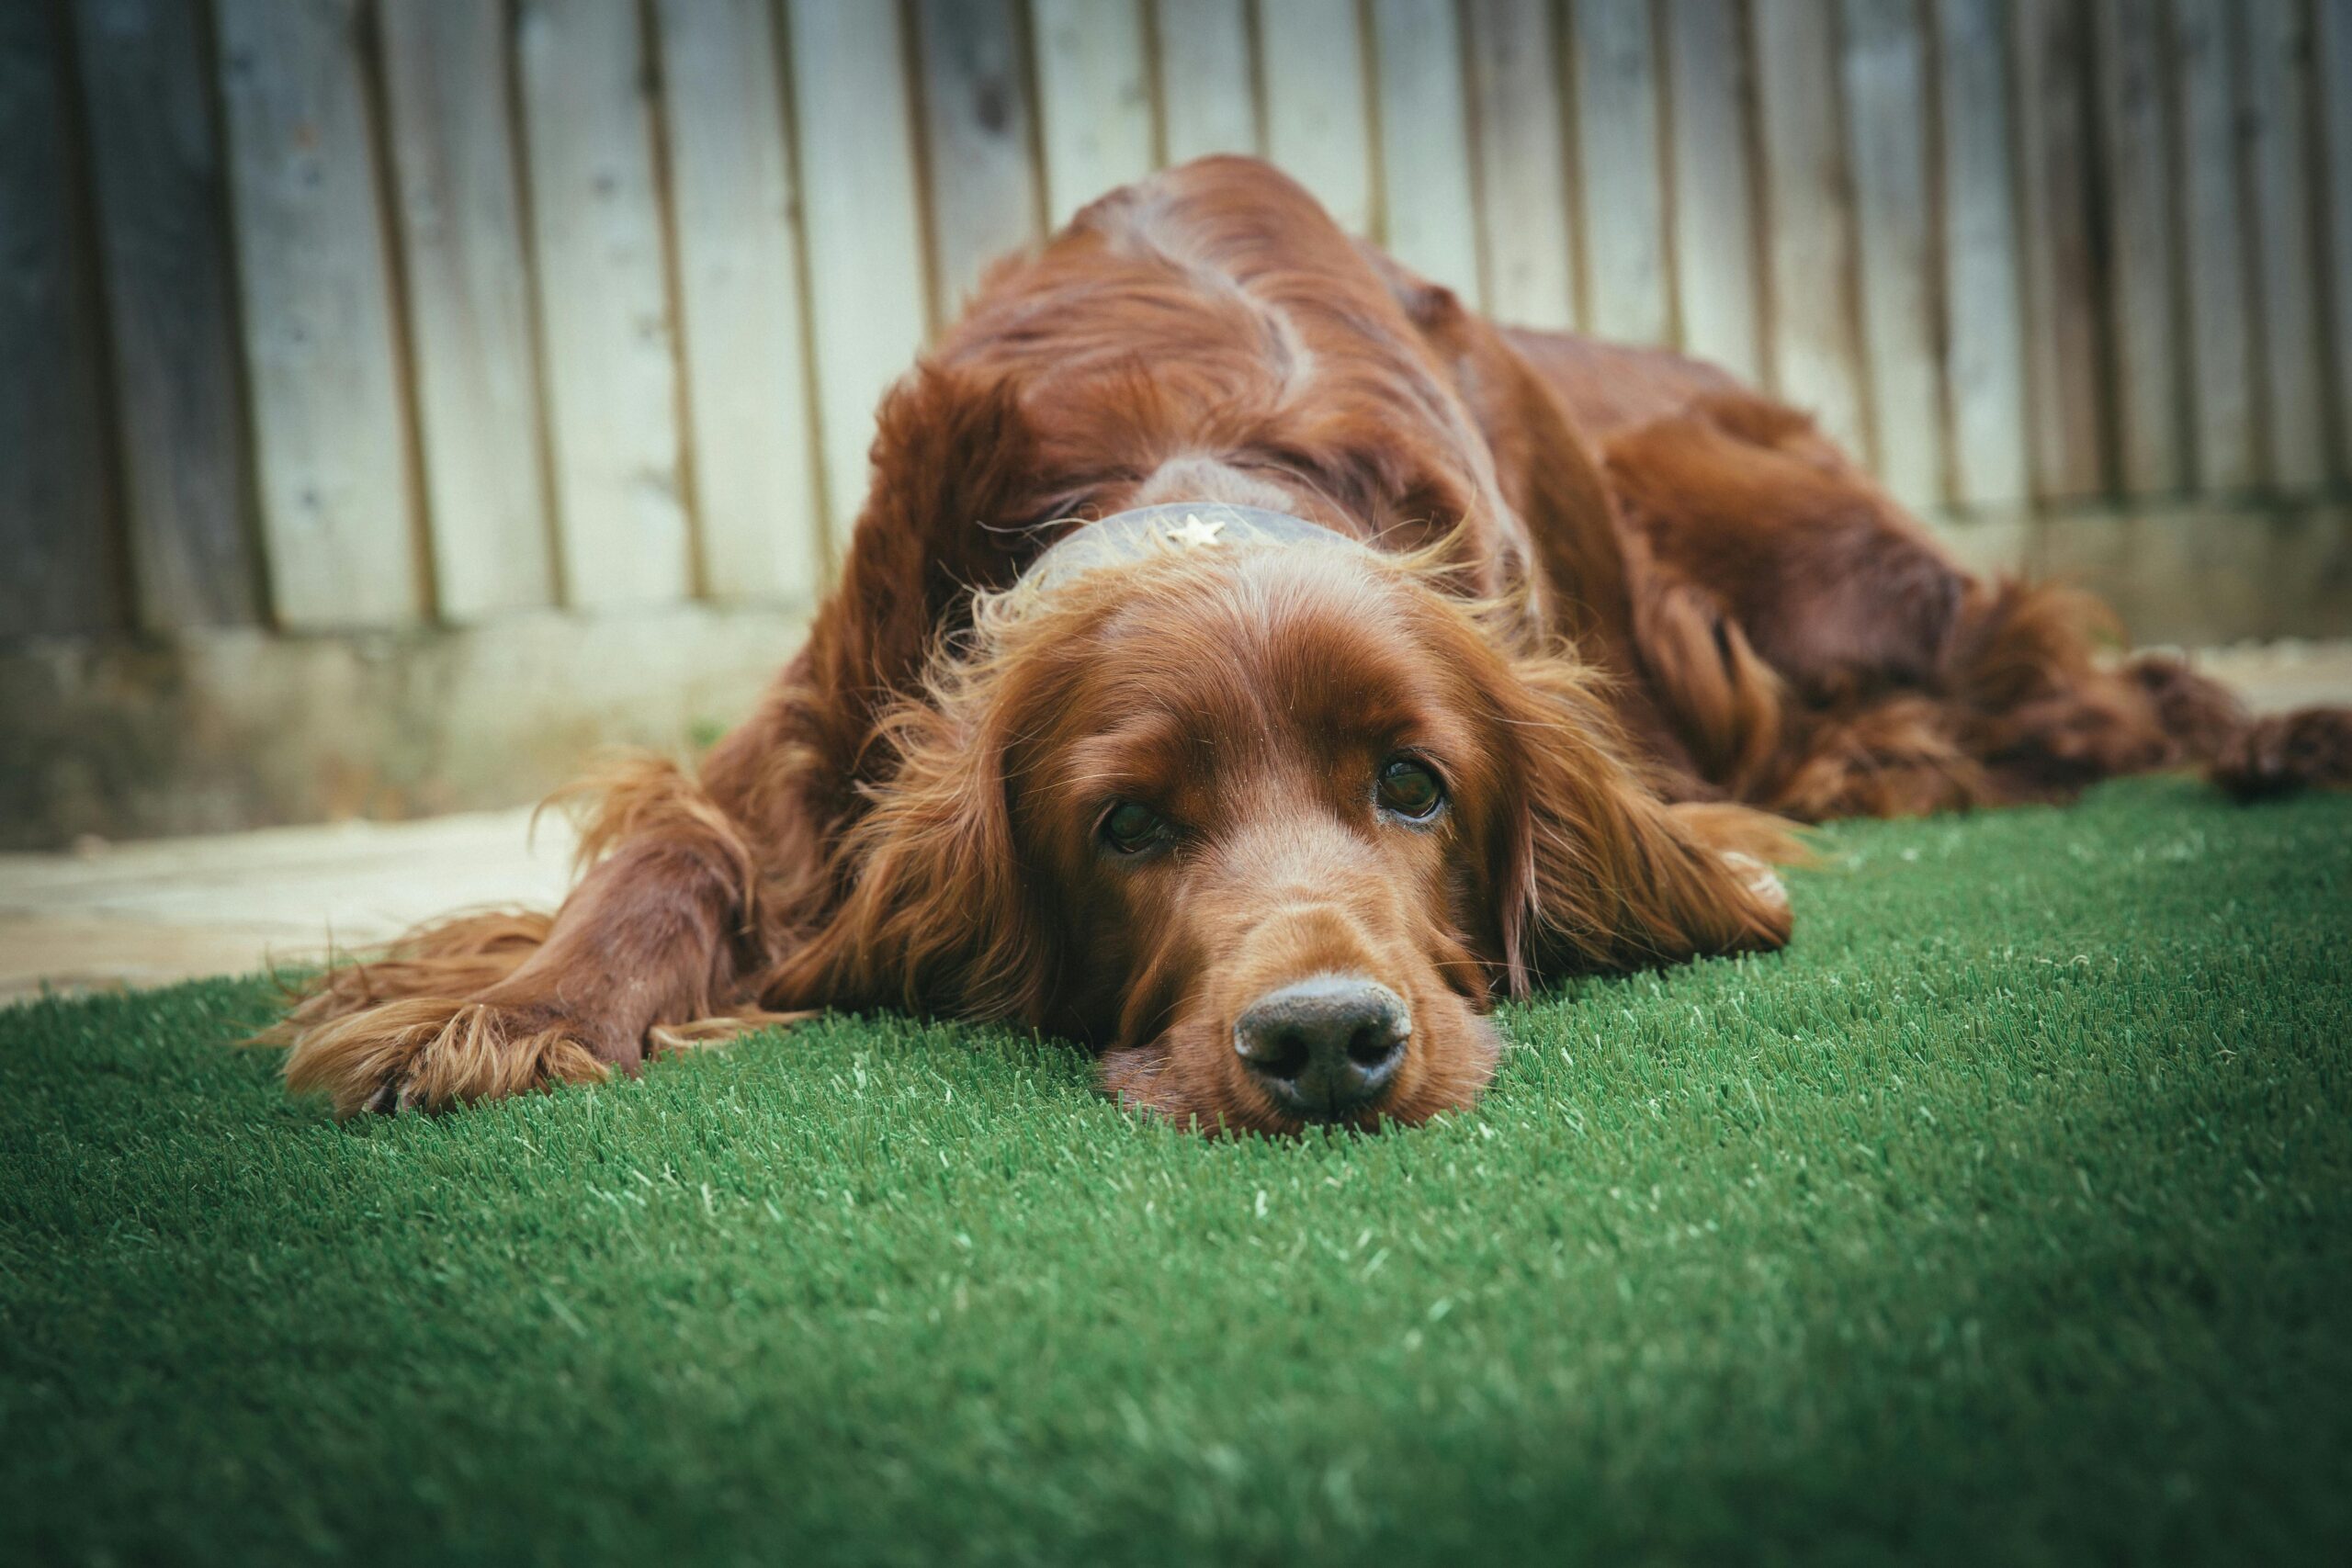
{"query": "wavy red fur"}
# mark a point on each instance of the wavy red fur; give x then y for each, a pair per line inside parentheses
(1626, 614)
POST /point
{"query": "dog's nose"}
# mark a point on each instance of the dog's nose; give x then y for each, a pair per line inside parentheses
(1326, 1047)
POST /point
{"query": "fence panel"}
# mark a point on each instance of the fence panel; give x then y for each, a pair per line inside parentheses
(1427, 197)
(1317, 126)
(452, 133)
(1885, 80)
(2136, 131)
(337, 508)
(1619, 174)
(156, 180)
(2220, 333)
(58, 574)
(2277, 113)
(861, 202)
(985, 198)
(1524, 224)
(736, 232)
(603, 304)
(1811, 261)
(1208, 78)
(2331, 57)
(2060, 273)
(1983, 330)
(1094, 84)
(1712, 155)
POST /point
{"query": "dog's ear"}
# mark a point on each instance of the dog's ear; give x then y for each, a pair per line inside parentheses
(935, 913)
(1591, 871)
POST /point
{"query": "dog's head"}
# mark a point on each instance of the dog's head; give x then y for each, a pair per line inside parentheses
(1270, 825)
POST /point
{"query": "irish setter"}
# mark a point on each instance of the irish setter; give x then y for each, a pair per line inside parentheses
(1396, 661)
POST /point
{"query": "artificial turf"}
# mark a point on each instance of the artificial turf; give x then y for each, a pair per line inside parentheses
(2006, 1216)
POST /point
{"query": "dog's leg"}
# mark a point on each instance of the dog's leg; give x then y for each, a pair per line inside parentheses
(652, 940)
(2049, 717)
(699, 884)
(2251, 756)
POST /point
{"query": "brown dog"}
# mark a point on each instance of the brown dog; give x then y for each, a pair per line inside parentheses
(1418, 660)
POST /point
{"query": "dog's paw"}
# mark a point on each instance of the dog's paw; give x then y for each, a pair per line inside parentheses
(1759, 878)
(429, 1053)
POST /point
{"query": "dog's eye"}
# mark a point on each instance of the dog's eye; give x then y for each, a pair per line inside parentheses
(1409, 789)
(1130, 827)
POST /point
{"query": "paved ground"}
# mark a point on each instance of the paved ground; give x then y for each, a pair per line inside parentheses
(167, 909)
(149, 913)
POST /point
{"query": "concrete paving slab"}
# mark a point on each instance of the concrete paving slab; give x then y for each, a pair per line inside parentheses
(164, 909)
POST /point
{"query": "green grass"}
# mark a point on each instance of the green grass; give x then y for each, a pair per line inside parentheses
(2007, 1216)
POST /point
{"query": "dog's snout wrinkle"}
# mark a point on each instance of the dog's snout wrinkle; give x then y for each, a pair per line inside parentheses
(1311, 916)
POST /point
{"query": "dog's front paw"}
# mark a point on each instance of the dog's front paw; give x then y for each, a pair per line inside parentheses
(398, 1094)
(428, 1052)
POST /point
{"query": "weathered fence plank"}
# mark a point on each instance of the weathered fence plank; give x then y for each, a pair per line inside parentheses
(56, 560)
(2060, 282)
(734, 223)
(171, 304)
(1983, 333)
(1208, 80)
(1814, 331)
(984, 199)
(337, 511)
(861, 203)
(2134, 131)
(2278, 108)
(603, 304)
(1711, 151)
(1317, 126)
(2332, 64)
(1620, 176)
(452, 136)
(1094, 117)
(1884, 71)
(1428, 199)
(1526, 239)
(2221, 336)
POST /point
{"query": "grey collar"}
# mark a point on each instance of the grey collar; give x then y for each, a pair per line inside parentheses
(1178, 527)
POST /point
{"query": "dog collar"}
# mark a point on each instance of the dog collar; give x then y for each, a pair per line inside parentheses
(1177, 529)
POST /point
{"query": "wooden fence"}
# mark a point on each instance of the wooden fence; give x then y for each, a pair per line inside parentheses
(323, 315)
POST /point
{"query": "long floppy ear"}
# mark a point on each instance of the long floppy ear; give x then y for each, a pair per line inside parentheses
(933, 913)
(1596, 872)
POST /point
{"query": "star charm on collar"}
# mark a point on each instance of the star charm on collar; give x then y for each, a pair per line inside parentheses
(1194, 534)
